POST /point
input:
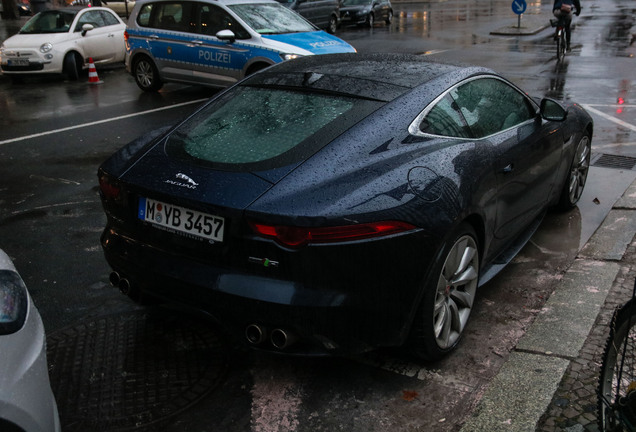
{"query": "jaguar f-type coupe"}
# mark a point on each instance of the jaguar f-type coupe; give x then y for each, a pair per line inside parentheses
(341, 203)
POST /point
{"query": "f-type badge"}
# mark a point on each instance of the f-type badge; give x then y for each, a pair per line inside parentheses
(185, 181)
(265, 262)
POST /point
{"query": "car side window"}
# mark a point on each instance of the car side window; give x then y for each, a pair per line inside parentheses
(212, 19)
(109, 18)
(490, 105)
(143, 18)
(172, 16)
(93, 17)
(446, 120)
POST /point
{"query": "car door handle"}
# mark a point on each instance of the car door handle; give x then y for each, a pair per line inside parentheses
(197, 42)
(508, 169)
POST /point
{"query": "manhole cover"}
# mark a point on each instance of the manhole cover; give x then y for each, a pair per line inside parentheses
(129, 371)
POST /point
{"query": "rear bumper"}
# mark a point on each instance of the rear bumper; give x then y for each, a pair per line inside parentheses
(348, 312)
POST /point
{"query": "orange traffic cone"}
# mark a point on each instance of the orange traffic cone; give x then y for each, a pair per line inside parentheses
(92, 73)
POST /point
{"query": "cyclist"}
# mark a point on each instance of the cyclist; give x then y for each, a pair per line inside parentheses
(563, 9)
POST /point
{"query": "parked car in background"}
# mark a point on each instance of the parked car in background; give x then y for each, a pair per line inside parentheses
(366, 12)
(26, 400)
(324, 14)
(339, 203)
(62, 41)
(217, 42)
(122, 8)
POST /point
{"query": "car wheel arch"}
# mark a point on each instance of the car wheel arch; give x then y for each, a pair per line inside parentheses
(154, 81)
(423, 339)
(477, 223)
(256, 66)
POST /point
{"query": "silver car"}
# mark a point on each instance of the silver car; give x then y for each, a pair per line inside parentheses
(26, 399)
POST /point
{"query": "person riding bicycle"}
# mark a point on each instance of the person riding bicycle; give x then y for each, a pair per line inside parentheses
(563, 9)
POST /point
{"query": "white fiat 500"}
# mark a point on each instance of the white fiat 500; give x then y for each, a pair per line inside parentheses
(26, 399)
(62, 41)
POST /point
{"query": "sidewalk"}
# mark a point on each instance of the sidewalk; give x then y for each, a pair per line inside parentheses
(527, 25)
(549, 382)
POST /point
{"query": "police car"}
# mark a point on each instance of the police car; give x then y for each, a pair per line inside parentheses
(216, 42)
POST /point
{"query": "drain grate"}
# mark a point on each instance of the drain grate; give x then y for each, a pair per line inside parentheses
(132, 371)
(614, 161)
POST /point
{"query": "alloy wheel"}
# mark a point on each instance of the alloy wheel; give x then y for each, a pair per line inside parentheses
(579, 170)
(144, 74)
(456, 289)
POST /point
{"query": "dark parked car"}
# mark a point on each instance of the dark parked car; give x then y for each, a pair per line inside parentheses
(324, 14)
(366, 12)
(338, 203)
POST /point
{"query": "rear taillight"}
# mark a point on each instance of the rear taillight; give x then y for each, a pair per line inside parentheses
(291, 236)
(109, 190)
(126, 36)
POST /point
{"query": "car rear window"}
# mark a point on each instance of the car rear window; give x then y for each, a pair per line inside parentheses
(263, 128)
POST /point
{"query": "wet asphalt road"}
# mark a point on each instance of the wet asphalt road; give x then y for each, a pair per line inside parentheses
(55, 133)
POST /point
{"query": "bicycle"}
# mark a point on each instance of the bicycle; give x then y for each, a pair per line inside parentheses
(617, 382)
(559, 37)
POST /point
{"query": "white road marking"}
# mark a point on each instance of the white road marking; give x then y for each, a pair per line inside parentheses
(51, 179)
(610, 105)
(609, 117)
(108, 120)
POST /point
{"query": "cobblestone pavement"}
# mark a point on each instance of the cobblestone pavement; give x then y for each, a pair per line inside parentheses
(574, 405)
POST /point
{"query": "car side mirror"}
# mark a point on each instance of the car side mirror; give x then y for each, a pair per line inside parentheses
(552, 110)
(86, 28)
(226, 35)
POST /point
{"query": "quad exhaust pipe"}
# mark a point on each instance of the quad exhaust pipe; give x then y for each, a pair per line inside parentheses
(119, 281)
(255, 334)
(282, 339)
(279, 338)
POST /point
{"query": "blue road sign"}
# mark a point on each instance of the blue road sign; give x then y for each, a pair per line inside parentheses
(519, 6)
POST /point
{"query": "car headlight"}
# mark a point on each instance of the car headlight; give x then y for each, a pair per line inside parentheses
(290, 56)
(13, 302)
(46, 47)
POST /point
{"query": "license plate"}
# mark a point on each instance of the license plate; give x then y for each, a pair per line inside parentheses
(181, 219)
(18, 62)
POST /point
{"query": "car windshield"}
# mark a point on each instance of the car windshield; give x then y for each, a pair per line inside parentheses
(271, 18)
(354, 2)
(50, 21)
(265, 126)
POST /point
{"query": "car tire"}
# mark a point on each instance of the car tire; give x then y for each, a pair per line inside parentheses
(71, 67)
(146, 74)
(370, 20)
(576, 178)
(389, 18)
(333, 24)
(448, 296)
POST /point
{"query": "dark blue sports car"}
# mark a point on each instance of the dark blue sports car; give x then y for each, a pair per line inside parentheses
(340, 203)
